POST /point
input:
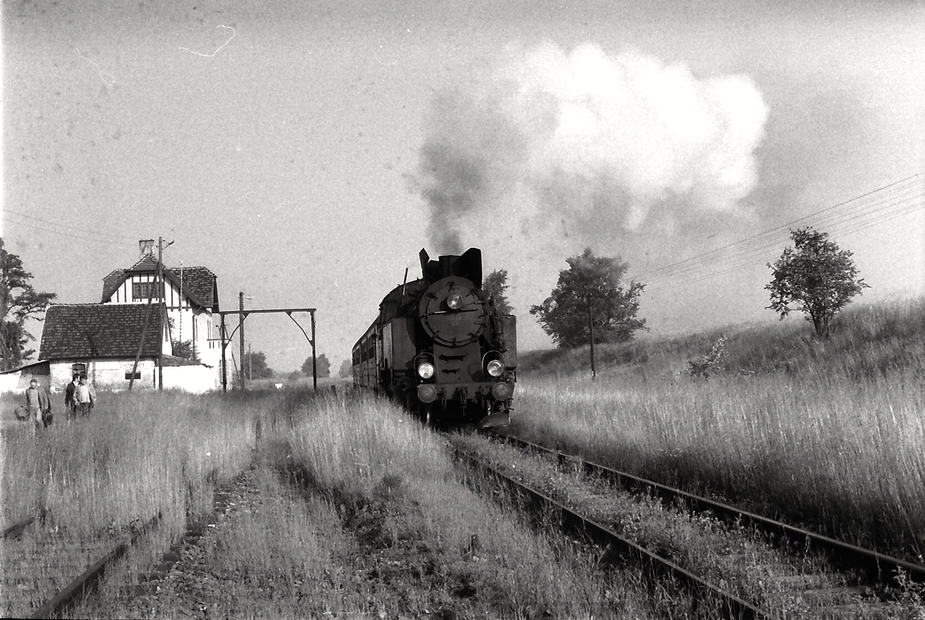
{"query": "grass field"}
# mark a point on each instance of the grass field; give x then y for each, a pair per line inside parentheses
(826, 432)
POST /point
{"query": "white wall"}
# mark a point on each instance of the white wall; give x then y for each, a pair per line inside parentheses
(110, 375)
(106, 374)
(195, 379)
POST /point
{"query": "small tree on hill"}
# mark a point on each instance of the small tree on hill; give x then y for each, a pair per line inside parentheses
(18, 302)
(591, 286)
(495, 284)
(816, 277)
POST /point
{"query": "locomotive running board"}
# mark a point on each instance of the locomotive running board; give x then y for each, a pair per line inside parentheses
(501, 418)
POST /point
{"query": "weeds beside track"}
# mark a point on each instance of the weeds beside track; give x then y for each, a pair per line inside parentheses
(880, 569)
(792, 582)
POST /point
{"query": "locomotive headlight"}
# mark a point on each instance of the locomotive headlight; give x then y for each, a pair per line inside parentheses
(502, 391)
(495, 368)
(425, 370)
(454, 301)
(427, 393)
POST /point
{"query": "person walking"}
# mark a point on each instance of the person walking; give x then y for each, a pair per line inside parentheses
(38, 404)
(70, 403)
(85, 395)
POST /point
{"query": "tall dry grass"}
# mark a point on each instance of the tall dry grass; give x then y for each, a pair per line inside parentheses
(385, 469)
(134, 456)
(830, 432)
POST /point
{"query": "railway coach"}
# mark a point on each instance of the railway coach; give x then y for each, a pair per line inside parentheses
(440, 347)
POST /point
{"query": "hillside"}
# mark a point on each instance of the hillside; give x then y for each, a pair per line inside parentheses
(868, 341)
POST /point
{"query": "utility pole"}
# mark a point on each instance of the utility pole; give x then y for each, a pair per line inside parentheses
(225, 339)
(250, 363)
(314, 361)
(161, 310)
(591, 335)
(159, 283)
(241, 336)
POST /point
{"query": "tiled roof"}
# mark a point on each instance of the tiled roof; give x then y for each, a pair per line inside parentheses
(112, 282)
(98, 331)
(198, 282)
(145, 263)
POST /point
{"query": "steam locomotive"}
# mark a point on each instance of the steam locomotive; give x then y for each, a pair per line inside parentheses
(440, 347)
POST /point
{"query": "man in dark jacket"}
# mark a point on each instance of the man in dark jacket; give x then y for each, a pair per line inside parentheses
(38, 404)
(70, 403)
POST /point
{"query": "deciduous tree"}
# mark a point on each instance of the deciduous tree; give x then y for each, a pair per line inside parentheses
(324, 366)
(495, 284)
(816, 277)
(18, 302)
(255, 365)
(591, 284)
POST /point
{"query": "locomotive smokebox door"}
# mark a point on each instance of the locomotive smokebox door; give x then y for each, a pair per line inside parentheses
(452, 313)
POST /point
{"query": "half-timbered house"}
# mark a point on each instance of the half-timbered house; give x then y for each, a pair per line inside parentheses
(122, 338)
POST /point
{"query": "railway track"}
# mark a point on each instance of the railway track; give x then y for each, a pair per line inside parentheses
(814, 594)
(730, 605)
(64, 572)
(41, 565)
(880, 569)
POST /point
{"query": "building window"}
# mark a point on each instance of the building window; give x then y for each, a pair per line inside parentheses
(128, 375)
(142, 290)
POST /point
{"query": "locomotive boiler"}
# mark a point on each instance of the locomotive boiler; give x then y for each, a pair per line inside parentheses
(440, 347)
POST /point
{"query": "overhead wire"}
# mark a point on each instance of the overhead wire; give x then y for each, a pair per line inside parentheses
(58, 228)
(764, 237)
(846, 225)
(860, 213)
(80, 233)
(776, 228)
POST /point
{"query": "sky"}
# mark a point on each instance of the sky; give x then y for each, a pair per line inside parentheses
(306, 152)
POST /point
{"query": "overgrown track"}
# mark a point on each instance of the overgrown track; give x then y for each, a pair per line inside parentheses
(37, 563)
(620, 548)
(880, 569)
(41, 562)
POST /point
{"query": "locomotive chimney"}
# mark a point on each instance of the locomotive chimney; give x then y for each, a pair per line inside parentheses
(446, 265)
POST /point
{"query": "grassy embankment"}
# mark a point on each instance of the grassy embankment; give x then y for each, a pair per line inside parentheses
(828, 432)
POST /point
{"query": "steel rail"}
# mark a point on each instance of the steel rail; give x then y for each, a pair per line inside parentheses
(878, 566)
(17, 528)
(78, 589)
(733, 606)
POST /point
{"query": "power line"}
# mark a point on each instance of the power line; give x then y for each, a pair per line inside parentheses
(771, 231)
(847, 225)
(69, 229)
(865, 211)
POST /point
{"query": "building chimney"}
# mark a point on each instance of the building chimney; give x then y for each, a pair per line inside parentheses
(146, 247)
